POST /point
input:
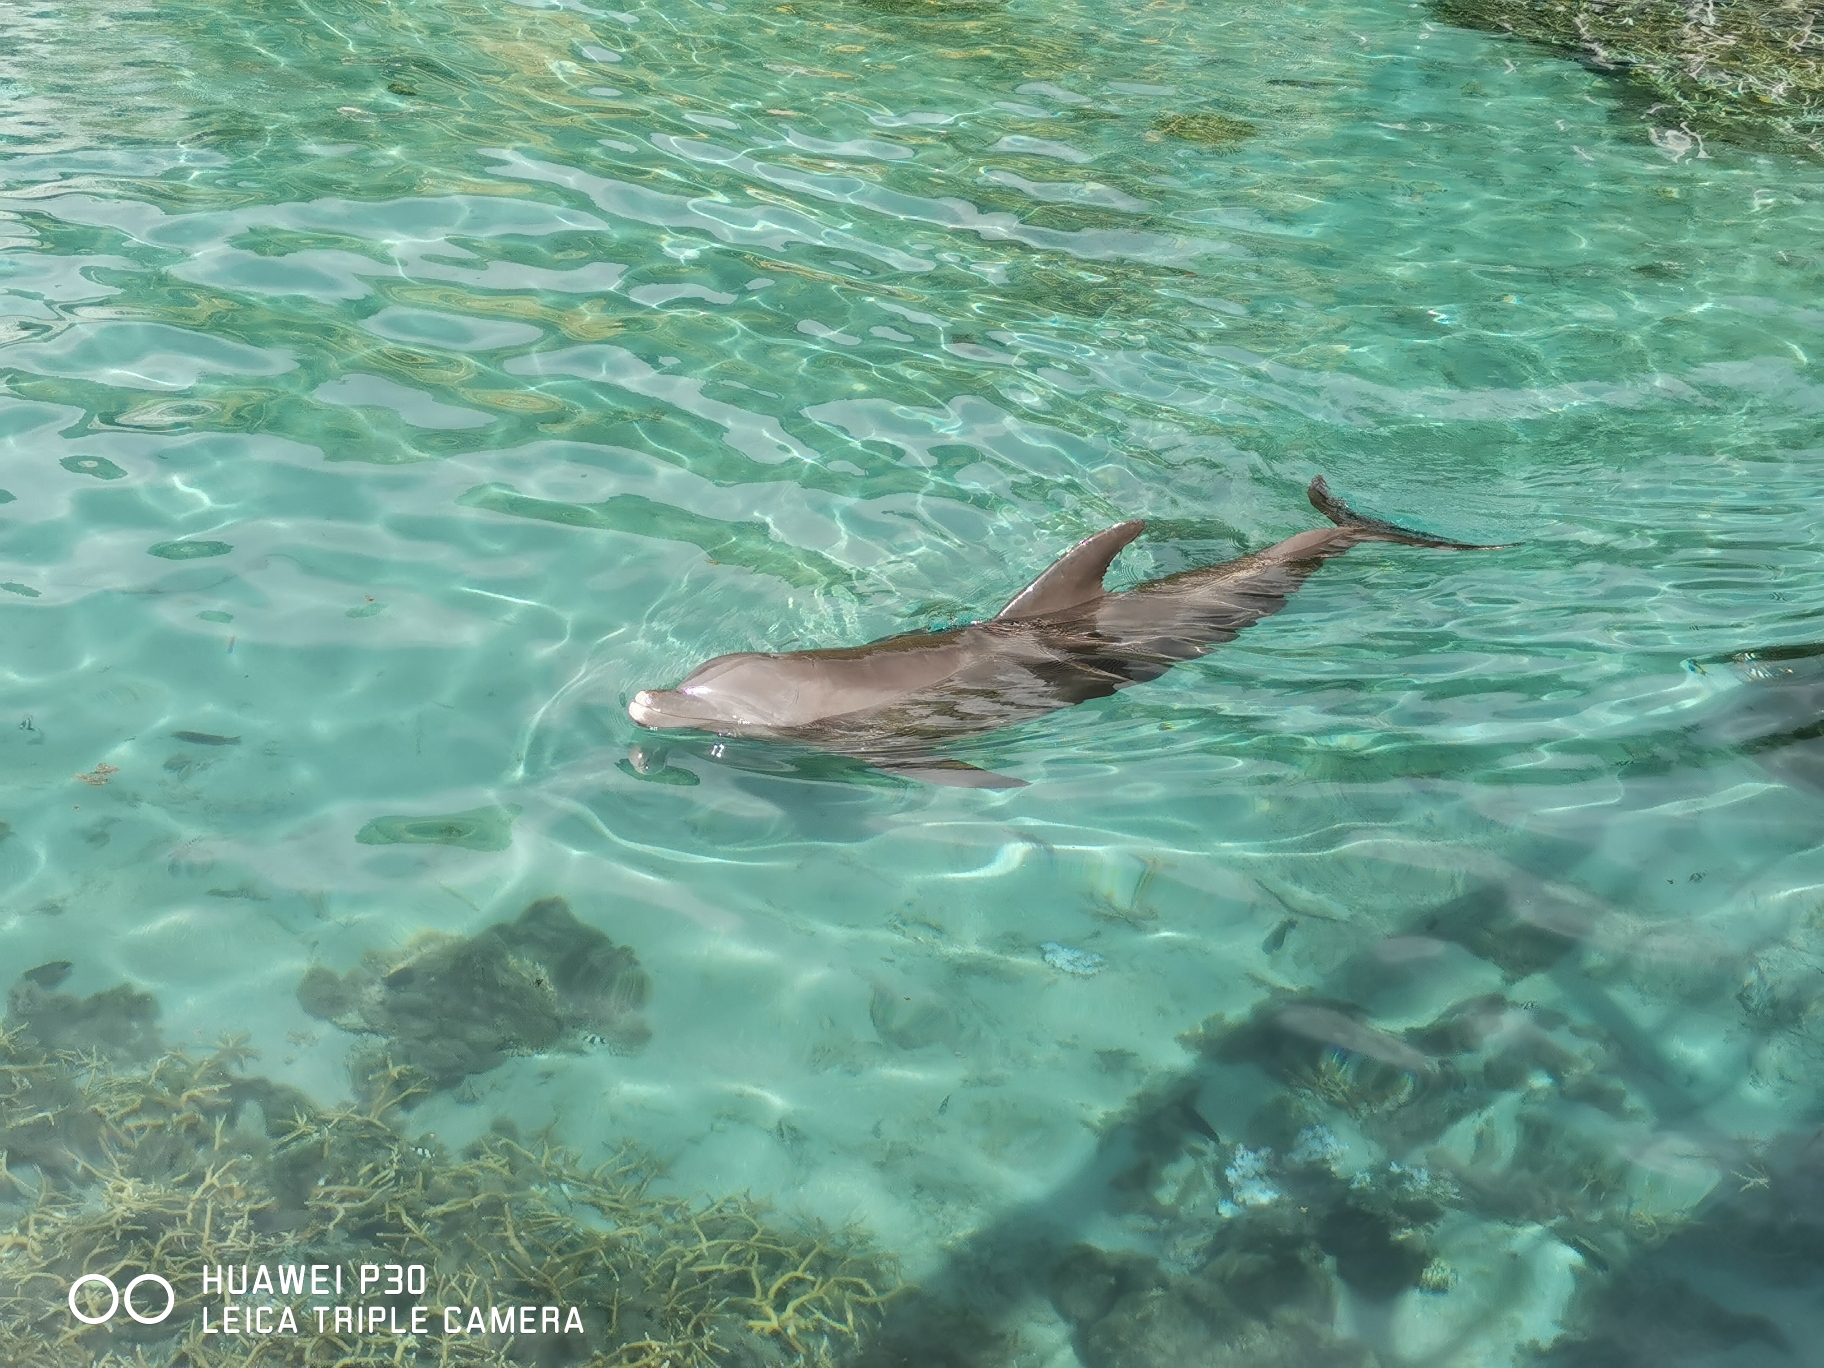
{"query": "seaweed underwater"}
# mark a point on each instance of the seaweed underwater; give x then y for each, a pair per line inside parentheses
(1750, 70)
(122, 1156)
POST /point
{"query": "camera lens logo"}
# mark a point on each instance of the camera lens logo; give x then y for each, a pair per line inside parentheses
(116, 1298)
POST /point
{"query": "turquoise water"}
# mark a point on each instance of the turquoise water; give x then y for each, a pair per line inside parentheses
(397, 389)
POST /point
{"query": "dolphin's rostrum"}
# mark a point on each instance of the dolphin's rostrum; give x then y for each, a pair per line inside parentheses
(1061, 640)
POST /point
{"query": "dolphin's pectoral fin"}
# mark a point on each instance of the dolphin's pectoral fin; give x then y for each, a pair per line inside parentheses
(948, 773)
(1074, 578)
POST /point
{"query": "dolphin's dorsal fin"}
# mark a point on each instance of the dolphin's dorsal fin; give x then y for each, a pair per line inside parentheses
(1076, 576)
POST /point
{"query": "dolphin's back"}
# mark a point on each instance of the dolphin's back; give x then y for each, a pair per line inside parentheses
(1182, 616)
(1029, 661)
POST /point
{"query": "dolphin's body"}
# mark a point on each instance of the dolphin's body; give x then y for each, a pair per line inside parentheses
(1060, 641)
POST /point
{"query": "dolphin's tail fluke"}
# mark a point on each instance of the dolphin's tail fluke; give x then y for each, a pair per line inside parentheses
(1373, 529)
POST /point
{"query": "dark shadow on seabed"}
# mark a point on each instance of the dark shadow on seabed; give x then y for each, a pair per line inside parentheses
(1778, 716)
(1258, 1289)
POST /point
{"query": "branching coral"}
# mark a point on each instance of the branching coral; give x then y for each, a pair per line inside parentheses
(185, 1163)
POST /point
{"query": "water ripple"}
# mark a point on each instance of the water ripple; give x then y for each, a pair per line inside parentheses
(401, 387)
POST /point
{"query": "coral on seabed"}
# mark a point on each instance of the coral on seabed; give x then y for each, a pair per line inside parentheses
(1260, 1302)
(1253, 1246)
(1742, 67)
(118, 1162)
(1364, 1167)
(1765, 1224)
(1323, 1049)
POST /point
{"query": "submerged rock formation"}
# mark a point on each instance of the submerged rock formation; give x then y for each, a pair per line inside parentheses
(1753, 69)
(449, 1007)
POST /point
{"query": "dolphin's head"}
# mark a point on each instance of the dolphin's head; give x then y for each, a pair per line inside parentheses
(732, 694)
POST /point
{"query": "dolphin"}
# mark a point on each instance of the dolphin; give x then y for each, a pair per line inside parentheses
(1060, 641)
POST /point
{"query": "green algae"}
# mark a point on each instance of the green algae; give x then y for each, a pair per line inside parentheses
(483, 828)
(99, 467)
(1748, 69)
(1212, 130)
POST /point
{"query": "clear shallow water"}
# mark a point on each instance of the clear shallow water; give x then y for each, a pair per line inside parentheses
(398, 390)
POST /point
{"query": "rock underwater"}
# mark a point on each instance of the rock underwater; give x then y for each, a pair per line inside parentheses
(448, 1007)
